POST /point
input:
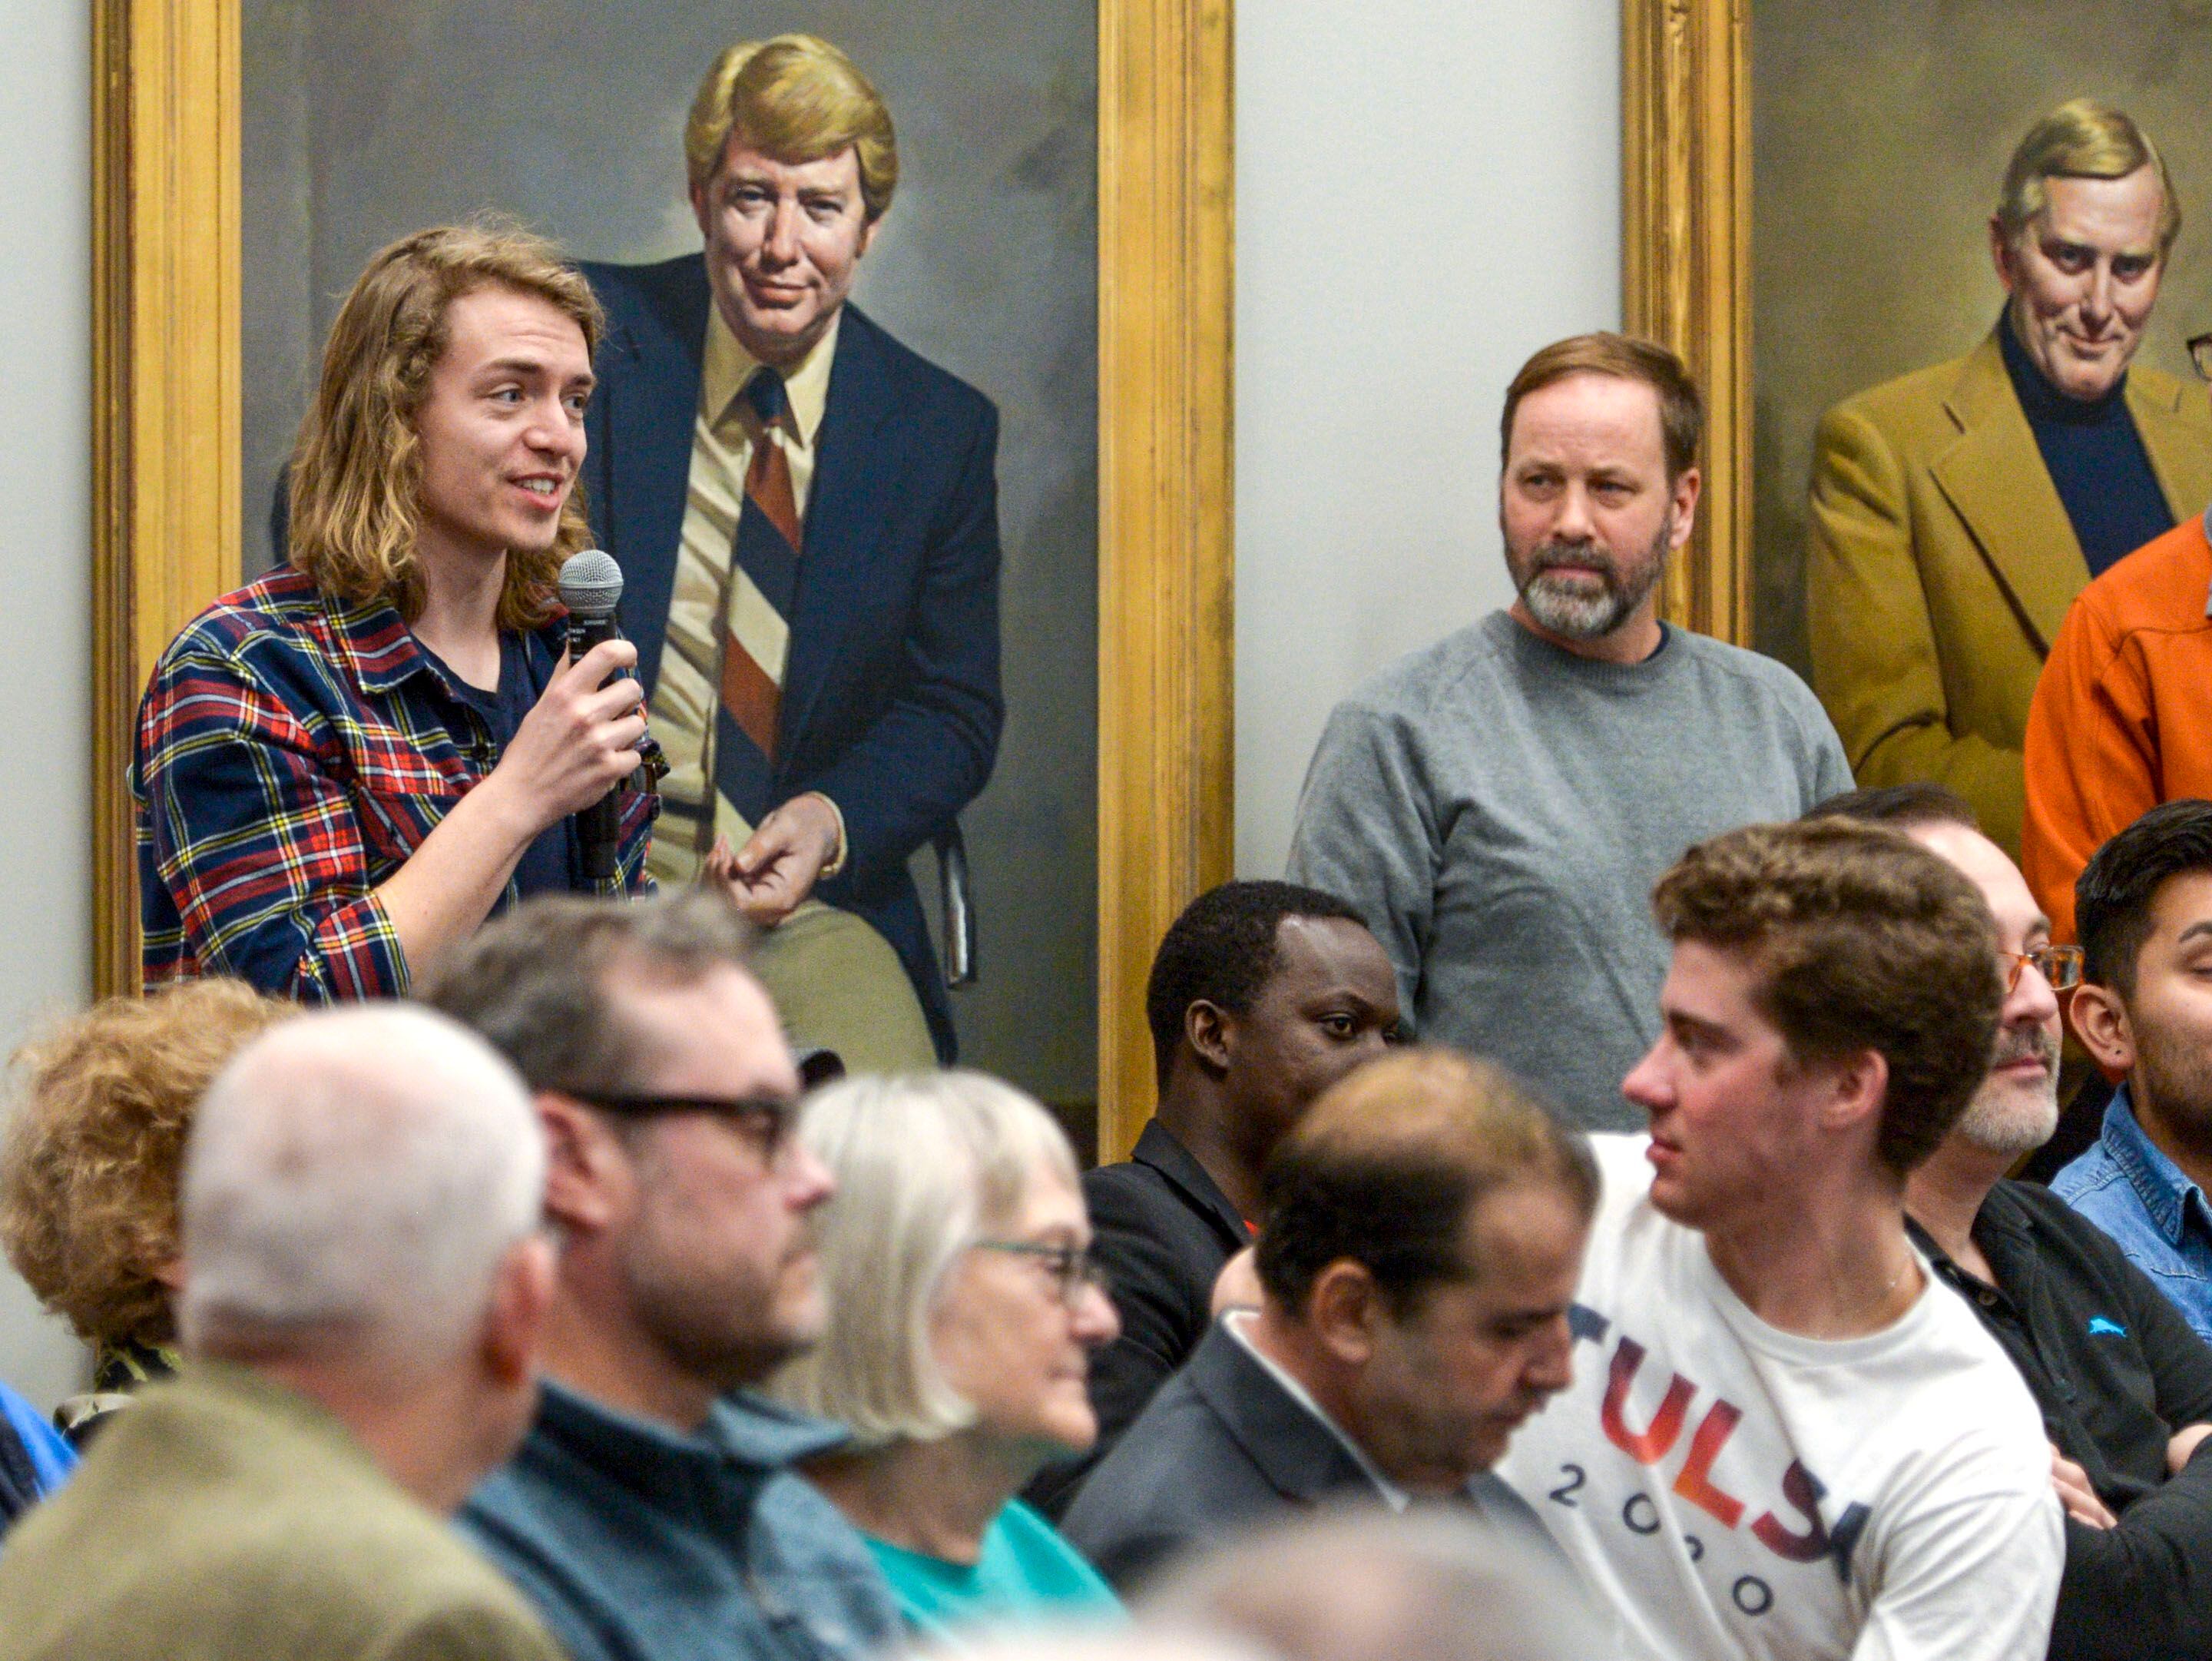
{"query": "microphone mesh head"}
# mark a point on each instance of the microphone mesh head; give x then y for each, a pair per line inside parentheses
(590, 583)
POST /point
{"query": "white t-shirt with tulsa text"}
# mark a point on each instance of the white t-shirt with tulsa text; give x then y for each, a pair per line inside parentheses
(1736, 1491)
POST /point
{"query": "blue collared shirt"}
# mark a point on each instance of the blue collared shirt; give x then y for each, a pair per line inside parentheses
(2159, 1219)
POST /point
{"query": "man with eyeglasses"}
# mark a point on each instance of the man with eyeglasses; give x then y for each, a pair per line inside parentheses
(2125, 1386)
(2119, 720)
(652, 1510)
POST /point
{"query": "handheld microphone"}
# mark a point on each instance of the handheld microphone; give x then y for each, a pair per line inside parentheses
(591, 584)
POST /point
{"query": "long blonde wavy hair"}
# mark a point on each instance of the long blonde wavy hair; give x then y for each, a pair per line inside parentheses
(357, 469)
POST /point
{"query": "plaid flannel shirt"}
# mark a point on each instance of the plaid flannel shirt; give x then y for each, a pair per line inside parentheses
(293, 752)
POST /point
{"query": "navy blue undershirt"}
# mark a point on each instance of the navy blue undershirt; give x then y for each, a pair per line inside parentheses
(2095, 457)
(548, 865)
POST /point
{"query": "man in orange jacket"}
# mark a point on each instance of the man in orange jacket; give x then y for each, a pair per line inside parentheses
(2120, 721)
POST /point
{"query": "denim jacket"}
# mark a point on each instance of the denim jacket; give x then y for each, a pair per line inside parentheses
(2159, 1219)
(637, 1542)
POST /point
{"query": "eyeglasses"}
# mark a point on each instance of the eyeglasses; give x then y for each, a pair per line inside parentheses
(2200, 354)
(2059, 964)
(1074, 1269)
(764, 1120)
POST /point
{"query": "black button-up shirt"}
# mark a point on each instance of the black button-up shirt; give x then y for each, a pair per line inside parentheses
(2116, 1371)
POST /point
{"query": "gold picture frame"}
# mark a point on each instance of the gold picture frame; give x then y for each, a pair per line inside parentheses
(1686, 265)
(167, 436)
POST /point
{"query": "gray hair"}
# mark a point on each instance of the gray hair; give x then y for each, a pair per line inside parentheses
(1365, 1586)
(923, 1163)
(352, 1180)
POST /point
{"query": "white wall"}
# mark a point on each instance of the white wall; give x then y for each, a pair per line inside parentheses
(1425, 194)
(45, 480)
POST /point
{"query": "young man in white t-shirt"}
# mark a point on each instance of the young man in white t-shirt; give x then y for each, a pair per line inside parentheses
(1784, 1441)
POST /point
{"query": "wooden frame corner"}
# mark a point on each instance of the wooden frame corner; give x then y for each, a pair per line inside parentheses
(1686, 265)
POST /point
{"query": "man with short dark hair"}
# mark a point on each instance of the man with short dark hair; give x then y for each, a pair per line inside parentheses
(652, 1510)
(2143, 907)
(1497, 805)
(1262, 994)
(1784, 1444)
(1421, 1231)
(2125, 1387)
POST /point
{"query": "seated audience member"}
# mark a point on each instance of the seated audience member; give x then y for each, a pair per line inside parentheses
(34, 1459)
(1785, 1441)
(653, 1512)
(1262, 994)
(369, 1283)
(1362, 1587)
(963, 1300)
(89, 1170)
(1496, 805)
(342, 768)
(2121, 720)
(2143, 907)
(2125, 1386)
(1421, 1230)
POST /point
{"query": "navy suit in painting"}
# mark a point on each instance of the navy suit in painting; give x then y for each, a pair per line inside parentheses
(890, 703)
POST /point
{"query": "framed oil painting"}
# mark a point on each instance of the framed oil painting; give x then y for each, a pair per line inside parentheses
(1809, 185)
(1059, 240)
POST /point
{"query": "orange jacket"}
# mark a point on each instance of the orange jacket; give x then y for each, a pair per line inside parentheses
(2122, 718)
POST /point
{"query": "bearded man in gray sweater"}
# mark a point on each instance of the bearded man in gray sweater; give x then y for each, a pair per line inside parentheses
(1498, 805)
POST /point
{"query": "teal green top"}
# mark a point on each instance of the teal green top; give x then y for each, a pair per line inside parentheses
(1026, 1571)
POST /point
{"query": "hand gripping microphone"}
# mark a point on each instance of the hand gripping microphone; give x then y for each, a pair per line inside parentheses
(591, 584)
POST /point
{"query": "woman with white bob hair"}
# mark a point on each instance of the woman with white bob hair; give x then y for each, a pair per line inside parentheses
(964, 1306)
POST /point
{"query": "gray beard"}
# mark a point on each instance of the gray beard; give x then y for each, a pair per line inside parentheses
(1574, 612)
(2003, 1124)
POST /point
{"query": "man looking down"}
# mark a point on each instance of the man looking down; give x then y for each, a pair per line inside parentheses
(1421, 1231)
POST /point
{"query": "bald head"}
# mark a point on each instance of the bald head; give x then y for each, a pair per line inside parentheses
(1389, 1165)
(354, 1180)
(1368, 1587)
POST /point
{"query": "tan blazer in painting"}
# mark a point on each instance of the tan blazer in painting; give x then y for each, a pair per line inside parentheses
(1939, 563)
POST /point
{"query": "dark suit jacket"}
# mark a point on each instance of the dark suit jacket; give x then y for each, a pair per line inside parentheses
(891, 698)
(1162, 1229)
(1224, 1447)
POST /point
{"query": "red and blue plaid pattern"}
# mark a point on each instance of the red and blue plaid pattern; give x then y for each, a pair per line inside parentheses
(293, 752)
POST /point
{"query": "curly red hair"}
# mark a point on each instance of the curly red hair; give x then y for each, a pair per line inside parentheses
(89, 1166)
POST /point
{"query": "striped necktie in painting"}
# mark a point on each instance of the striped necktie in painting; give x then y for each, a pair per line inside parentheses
(767, 551)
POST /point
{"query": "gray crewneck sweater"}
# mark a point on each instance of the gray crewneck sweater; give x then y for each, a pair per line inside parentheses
(1499, 809)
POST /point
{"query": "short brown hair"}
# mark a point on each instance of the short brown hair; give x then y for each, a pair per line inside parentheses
(1625, 357)
(356, 476)
(2080, 139)
(1864, 939)
(797, 99)
(540, 984)
(89, 1170)
(1390, 1162)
